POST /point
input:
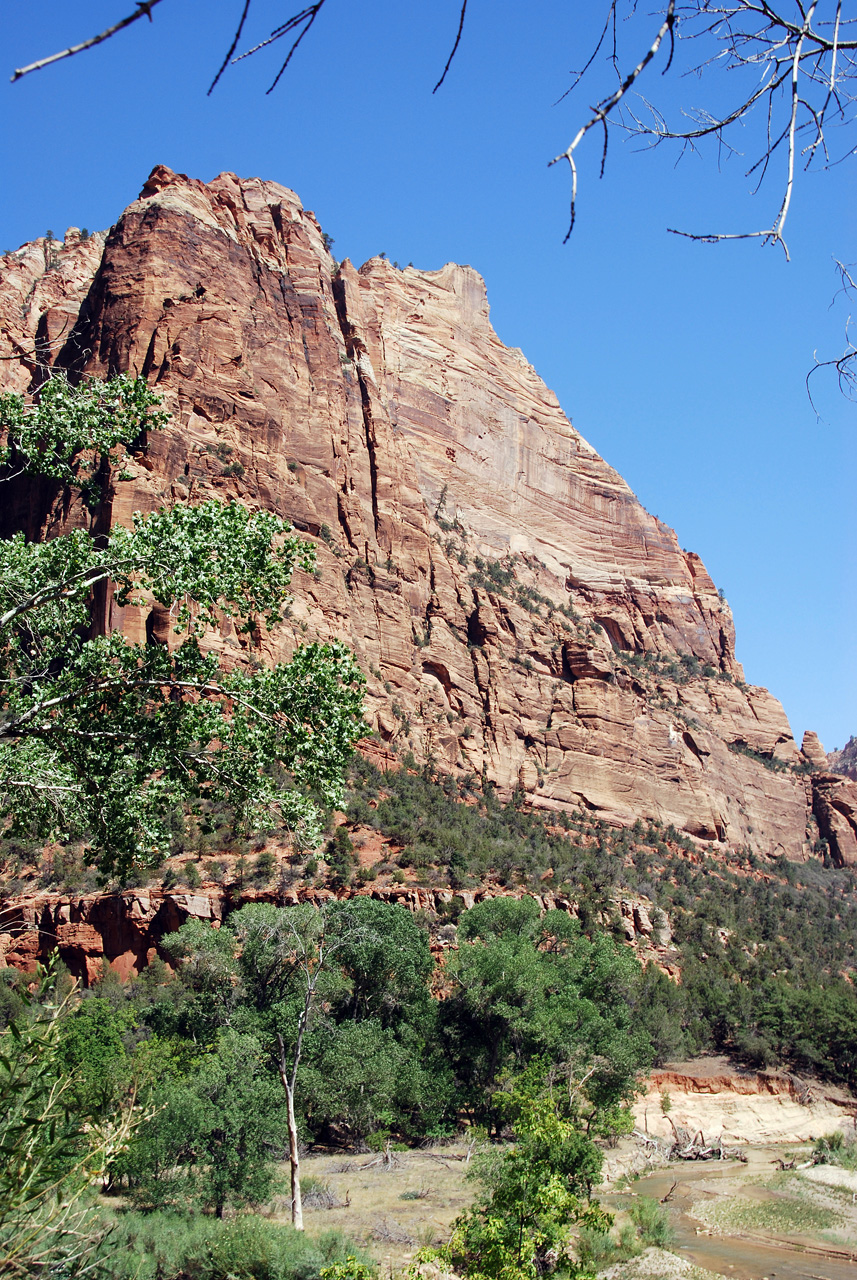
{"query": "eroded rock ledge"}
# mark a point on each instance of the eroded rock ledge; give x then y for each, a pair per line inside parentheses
(123, 931)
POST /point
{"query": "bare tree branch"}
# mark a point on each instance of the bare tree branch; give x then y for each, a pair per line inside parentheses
(143, 10)
(603, 110)
(306, 17)
(454, 47)
(846, 364)
(225, 63)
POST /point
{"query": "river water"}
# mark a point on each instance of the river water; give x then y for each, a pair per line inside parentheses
(733, 1256)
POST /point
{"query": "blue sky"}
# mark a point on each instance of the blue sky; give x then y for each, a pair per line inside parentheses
(683, 364)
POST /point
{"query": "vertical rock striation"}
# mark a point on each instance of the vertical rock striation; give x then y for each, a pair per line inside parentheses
(519, 614)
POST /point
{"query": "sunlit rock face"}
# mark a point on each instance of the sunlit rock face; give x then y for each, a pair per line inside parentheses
(519, 615)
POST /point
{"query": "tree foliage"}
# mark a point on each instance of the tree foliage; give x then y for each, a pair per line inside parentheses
(767, 961)
(76, 435)
(101, 738)
(533, 1193)
(216, 1133)
(530, 985)
(52, 1147)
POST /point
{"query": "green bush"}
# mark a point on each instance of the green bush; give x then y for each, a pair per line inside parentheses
(171, 1246)
(191, 875)
(264, 867)
(652, 1223)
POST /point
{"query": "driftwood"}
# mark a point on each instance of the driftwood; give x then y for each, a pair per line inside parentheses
(441, 1159)
(387, 1232)
(687, 1146)
(387, 1158)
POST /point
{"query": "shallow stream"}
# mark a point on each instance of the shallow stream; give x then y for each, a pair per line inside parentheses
(739, 1256)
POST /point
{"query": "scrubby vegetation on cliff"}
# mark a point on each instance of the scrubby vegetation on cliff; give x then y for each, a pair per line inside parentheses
(765, 947)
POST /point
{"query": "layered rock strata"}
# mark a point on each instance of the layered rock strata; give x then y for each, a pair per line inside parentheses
(519, 615)
(124, 931)
(834, 797)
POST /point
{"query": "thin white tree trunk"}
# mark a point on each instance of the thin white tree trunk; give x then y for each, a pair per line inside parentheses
(294, 1154)
(294, 1161)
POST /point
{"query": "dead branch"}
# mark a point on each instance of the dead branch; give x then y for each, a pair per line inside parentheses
(305, 18)
(605, 108)
(454, 47)
(143, 10)
(846, 364)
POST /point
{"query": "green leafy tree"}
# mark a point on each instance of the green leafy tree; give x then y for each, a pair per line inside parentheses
(91, 1053)
(535, 986)
(101, 739)
(216, 1133)
(51, 1148)
(533, 1194)
(361, 1078)
(287, 960)
(387, 960)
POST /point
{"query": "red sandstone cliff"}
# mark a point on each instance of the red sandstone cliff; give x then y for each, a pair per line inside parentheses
(124, 930)
(492, 573)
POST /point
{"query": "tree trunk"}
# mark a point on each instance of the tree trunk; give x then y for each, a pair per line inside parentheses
(294, 1162)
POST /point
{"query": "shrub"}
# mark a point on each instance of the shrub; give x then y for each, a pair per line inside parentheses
(191, 875)
(652, 1223)
(171, 1246)
(264, 867)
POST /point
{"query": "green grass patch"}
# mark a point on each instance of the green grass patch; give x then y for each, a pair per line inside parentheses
(775, 1217)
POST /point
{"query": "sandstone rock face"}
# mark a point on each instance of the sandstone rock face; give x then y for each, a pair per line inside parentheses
(120, 930)
(124, 930)
(519, 614)
(741, 1105)
(834, 803)
(813, 750)
(844, 761)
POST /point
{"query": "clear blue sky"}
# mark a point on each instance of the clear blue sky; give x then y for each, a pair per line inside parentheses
(683, 364)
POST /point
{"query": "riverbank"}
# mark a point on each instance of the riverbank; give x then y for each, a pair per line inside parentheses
(741, 1105)
(750, 1221)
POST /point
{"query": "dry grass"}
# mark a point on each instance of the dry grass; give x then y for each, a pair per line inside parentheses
(392, 1211)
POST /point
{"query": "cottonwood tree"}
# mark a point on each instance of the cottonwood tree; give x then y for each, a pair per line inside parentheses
(101, 738)
(525, 986)
(76, 436)
(287, 954)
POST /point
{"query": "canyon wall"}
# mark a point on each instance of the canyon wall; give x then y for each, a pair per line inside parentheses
(519, 614)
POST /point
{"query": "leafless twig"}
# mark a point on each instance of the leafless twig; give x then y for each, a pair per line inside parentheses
(604, 109)
(143, 10)
(304, 18)
(454, 47)
(846, 364)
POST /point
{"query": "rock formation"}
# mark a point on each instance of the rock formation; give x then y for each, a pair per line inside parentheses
(844, 761)
(518, 613)
(834, 803)
(834, 797)
(124, 930)
(813, 750)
